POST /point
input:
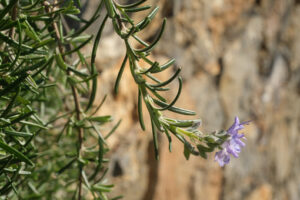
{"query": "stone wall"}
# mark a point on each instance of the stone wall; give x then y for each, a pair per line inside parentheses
(239, 57)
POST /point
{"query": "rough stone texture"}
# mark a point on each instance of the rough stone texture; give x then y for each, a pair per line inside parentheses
(239, 57)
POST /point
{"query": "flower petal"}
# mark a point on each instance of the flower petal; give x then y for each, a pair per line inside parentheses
(233, 145)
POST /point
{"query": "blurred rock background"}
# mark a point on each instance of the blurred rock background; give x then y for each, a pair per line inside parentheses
(239, 57)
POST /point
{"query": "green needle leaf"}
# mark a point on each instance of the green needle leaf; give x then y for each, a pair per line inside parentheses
(132, 5)
(16, 153)
(150, 47)
(168, 81)
(174, 109)
(116, 88)
(140, 111)
(177, 96)
(93, 69)
(155, 141)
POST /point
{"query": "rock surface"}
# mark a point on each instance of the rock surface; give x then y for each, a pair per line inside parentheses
(239, 57)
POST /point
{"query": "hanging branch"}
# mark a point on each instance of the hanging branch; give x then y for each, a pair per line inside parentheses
(184, 130)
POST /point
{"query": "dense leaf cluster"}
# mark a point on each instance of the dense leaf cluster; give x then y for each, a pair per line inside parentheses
(47, 89)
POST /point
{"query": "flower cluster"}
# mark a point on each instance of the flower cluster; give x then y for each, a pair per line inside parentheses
(233, 145)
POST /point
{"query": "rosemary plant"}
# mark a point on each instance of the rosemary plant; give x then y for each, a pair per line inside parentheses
(195, 142)
(50, 140)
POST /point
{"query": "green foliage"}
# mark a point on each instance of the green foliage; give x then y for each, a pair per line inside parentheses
(47, 90)
(150, 87)
(51, 146)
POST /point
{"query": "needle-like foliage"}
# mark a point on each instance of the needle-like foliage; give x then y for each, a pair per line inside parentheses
(47, 91)
(51, 144)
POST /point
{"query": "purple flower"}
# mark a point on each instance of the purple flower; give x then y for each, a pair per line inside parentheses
(233, 145)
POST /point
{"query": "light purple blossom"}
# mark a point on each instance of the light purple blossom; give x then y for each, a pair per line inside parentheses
(233, 145)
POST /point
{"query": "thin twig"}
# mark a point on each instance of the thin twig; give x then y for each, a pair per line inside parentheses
(13, 17)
